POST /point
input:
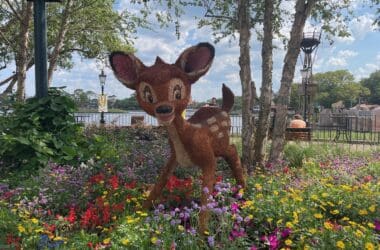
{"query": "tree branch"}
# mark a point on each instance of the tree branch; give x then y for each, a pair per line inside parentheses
(209, 14)
(14, 11)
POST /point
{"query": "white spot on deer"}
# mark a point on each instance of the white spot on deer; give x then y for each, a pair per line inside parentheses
(224, 123)
(224, 113)
(220, 135)
(214, 128)
(211, 120)
(196, 125)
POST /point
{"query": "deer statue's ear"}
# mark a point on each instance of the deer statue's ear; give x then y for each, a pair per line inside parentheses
(126, 68)
(196, 60)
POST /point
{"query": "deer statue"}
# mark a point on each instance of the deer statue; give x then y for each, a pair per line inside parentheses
(163, 91)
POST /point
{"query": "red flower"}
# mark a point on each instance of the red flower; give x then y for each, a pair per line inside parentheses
(114, 182)
(219, 178)
(71, 217)
(106, 214)
(13, 241)
(130, 185)
(285, 170)
(97, 178)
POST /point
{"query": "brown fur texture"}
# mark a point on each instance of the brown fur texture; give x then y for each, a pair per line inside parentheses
(163, 90)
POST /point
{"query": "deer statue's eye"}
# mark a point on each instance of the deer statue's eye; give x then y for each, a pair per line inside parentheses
(147, 93)
(177, 92)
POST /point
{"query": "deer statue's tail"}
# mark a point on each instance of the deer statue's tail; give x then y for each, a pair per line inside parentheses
(228, 99)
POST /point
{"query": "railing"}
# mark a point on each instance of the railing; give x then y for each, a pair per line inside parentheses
(332, 128)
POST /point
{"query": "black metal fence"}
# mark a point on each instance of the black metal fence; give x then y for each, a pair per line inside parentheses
(339, 128)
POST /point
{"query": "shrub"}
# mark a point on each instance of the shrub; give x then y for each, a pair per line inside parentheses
(42, 130)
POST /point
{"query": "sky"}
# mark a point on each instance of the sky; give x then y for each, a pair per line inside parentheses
(359, 53)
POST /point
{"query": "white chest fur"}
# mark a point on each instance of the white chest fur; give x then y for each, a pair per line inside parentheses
(181, 154)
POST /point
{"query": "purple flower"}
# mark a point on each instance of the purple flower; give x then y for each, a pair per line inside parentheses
(253, 248)
(234, 207)
(211, 241)
(286, 232)
(205, 190)
(377, 225)
(272, 241)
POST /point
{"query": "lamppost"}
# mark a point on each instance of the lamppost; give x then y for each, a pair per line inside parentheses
(102, 79)
(306, 74)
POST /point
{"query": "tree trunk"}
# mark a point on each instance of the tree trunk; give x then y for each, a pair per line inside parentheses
(266, 89)
(22, 53)
(245, 78)
(59, 42)
(302, 12)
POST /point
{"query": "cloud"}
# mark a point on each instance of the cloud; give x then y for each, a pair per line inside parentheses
(341, 58)
(365, 70)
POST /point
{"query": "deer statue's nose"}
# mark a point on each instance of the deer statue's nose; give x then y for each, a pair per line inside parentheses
(164, 109)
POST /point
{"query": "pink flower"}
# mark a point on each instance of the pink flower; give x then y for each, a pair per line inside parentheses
(234, 207)
(272, 241)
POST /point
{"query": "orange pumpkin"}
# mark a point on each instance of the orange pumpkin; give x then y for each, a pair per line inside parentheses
(297, 123)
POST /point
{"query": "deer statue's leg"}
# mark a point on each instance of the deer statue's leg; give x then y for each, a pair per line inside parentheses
(233, 159)
(166, 172)
(208, 171)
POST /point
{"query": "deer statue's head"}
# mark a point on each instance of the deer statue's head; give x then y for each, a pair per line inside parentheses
(163, 90)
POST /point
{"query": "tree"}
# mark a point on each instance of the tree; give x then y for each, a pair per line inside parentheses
(333, 20)
(88, 28)
(373, 84)
(266, 86)
(338, 85)
(303, 11)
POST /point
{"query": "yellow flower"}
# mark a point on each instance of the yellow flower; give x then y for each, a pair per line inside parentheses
(312, 230)
(328, 225)
(369, 246)
(314, 197)
(154, 240)
(372, 208)
(336, 211)
(371, 225)
(324, 195)
(289, 224)
(258, 186)
(318, 216)
(288, 242)
(206, 232)
(181, 228)
(125, 242)
(20, 228)
(34, 220)
(331, 204)
(363, 212)
(106, 241)
(345, 218)
(340, 244)
(306, 247)
(358, 233)
(275, 193)
(269, 220)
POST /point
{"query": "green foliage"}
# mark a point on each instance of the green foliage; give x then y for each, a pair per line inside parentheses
(373, 84)
(296, 154)
(42, 130)
(338, 85)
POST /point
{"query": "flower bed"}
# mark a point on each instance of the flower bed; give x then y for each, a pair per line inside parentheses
(308, 202)
(333, 204)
